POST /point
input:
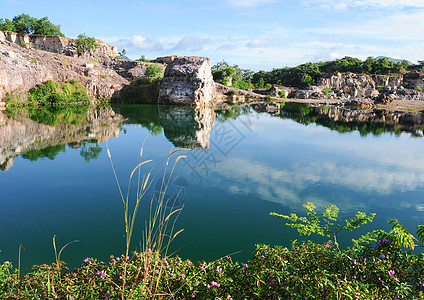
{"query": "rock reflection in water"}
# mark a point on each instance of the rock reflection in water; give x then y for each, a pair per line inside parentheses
(366, 121)
(187, 127)
(21, 134)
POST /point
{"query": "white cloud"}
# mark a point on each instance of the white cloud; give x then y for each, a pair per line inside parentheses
(143, 43)
(346, 4)
(248, 3)
(190, 43)
(258, 43)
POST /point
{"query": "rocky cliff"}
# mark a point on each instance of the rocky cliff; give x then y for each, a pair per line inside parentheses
(57, 44)
(22, 68)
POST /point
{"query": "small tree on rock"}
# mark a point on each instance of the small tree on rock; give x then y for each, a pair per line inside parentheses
(86, 43)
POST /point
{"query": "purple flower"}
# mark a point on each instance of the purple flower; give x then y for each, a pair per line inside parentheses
(107, 295)
(383, 256)
(246, 266)
(102, 274)
(327, 246)
(262, 257)
(7, 262)
(354, 277)
(391, 272)
(395, 279)
(208, 286)
(219, 269)
(354, 262)
(86, 260)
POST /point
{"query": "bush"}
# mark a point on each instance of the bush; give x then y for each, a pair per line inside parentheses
(326, 91)
(153, 71)
(418, 88)
(282, 94)
(52, 93)
(307, 81)
(86, 43)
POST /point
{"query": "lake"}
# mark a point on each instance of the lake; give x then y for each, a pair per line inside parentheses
(56, 177)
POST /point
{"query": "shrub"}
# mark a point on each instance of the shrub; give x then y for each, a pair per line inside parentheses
(282, 94)
(326, 91)
(307, 81)
(418, 88)
(153, 71)
(86, 43)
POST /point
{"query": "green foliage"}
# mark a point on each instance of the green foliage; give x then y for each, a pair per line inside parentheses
(307, 81)
(29, 25)
(401, 237)
(282, 94)
(51, 93)
(301, 271)
(49, 152)
(90, 151)
(122, 53)
(154, 71)
(295, 76)
(324, 225)
(93, 59)
(86, 43)
(241, 78)
(143, 58)
(418, 88)
(326, 91)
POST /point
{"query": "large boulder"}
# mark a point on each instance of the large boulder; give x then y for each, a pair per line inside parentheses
(188, 81)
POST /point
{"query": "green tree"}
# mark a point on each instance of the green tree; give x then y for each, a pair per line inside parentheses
(26, 24)
(86, 43)
(7, 25)
(122, 53)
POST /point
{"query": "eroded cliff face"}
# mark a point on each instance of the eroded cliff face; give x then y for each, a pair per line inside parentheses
(22, 68)
(21, 134)
(57, 44)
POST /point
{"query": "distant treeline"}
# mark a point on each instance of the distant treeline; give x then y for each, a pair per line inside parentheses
(307, 74)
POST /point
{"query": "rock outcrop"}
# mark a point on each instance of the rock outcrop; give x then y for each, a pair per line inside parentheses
(188, 81)
(58, 44)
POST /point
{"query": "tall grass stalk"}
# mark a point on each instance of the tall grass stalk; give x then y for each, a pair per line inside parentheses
(156, 237)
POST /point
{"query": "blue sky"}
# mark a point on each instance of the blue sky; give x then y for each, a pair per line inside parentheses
(255, 34)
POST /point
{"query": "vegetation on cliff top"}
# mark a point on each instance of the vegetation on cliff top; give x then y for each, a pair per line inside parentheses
(30, 25)
(305, 74)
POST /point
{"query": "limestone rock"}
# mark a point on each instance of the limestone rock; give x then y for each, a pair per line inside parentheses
(370, 93)
(22, 68)
(188, 81)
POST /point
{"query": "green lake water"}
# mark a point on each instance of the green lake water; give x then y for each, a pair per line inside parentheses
(242, 166)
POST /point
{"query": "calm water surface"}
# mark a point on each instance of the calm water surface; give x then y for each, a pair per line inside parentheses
(243, 166)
